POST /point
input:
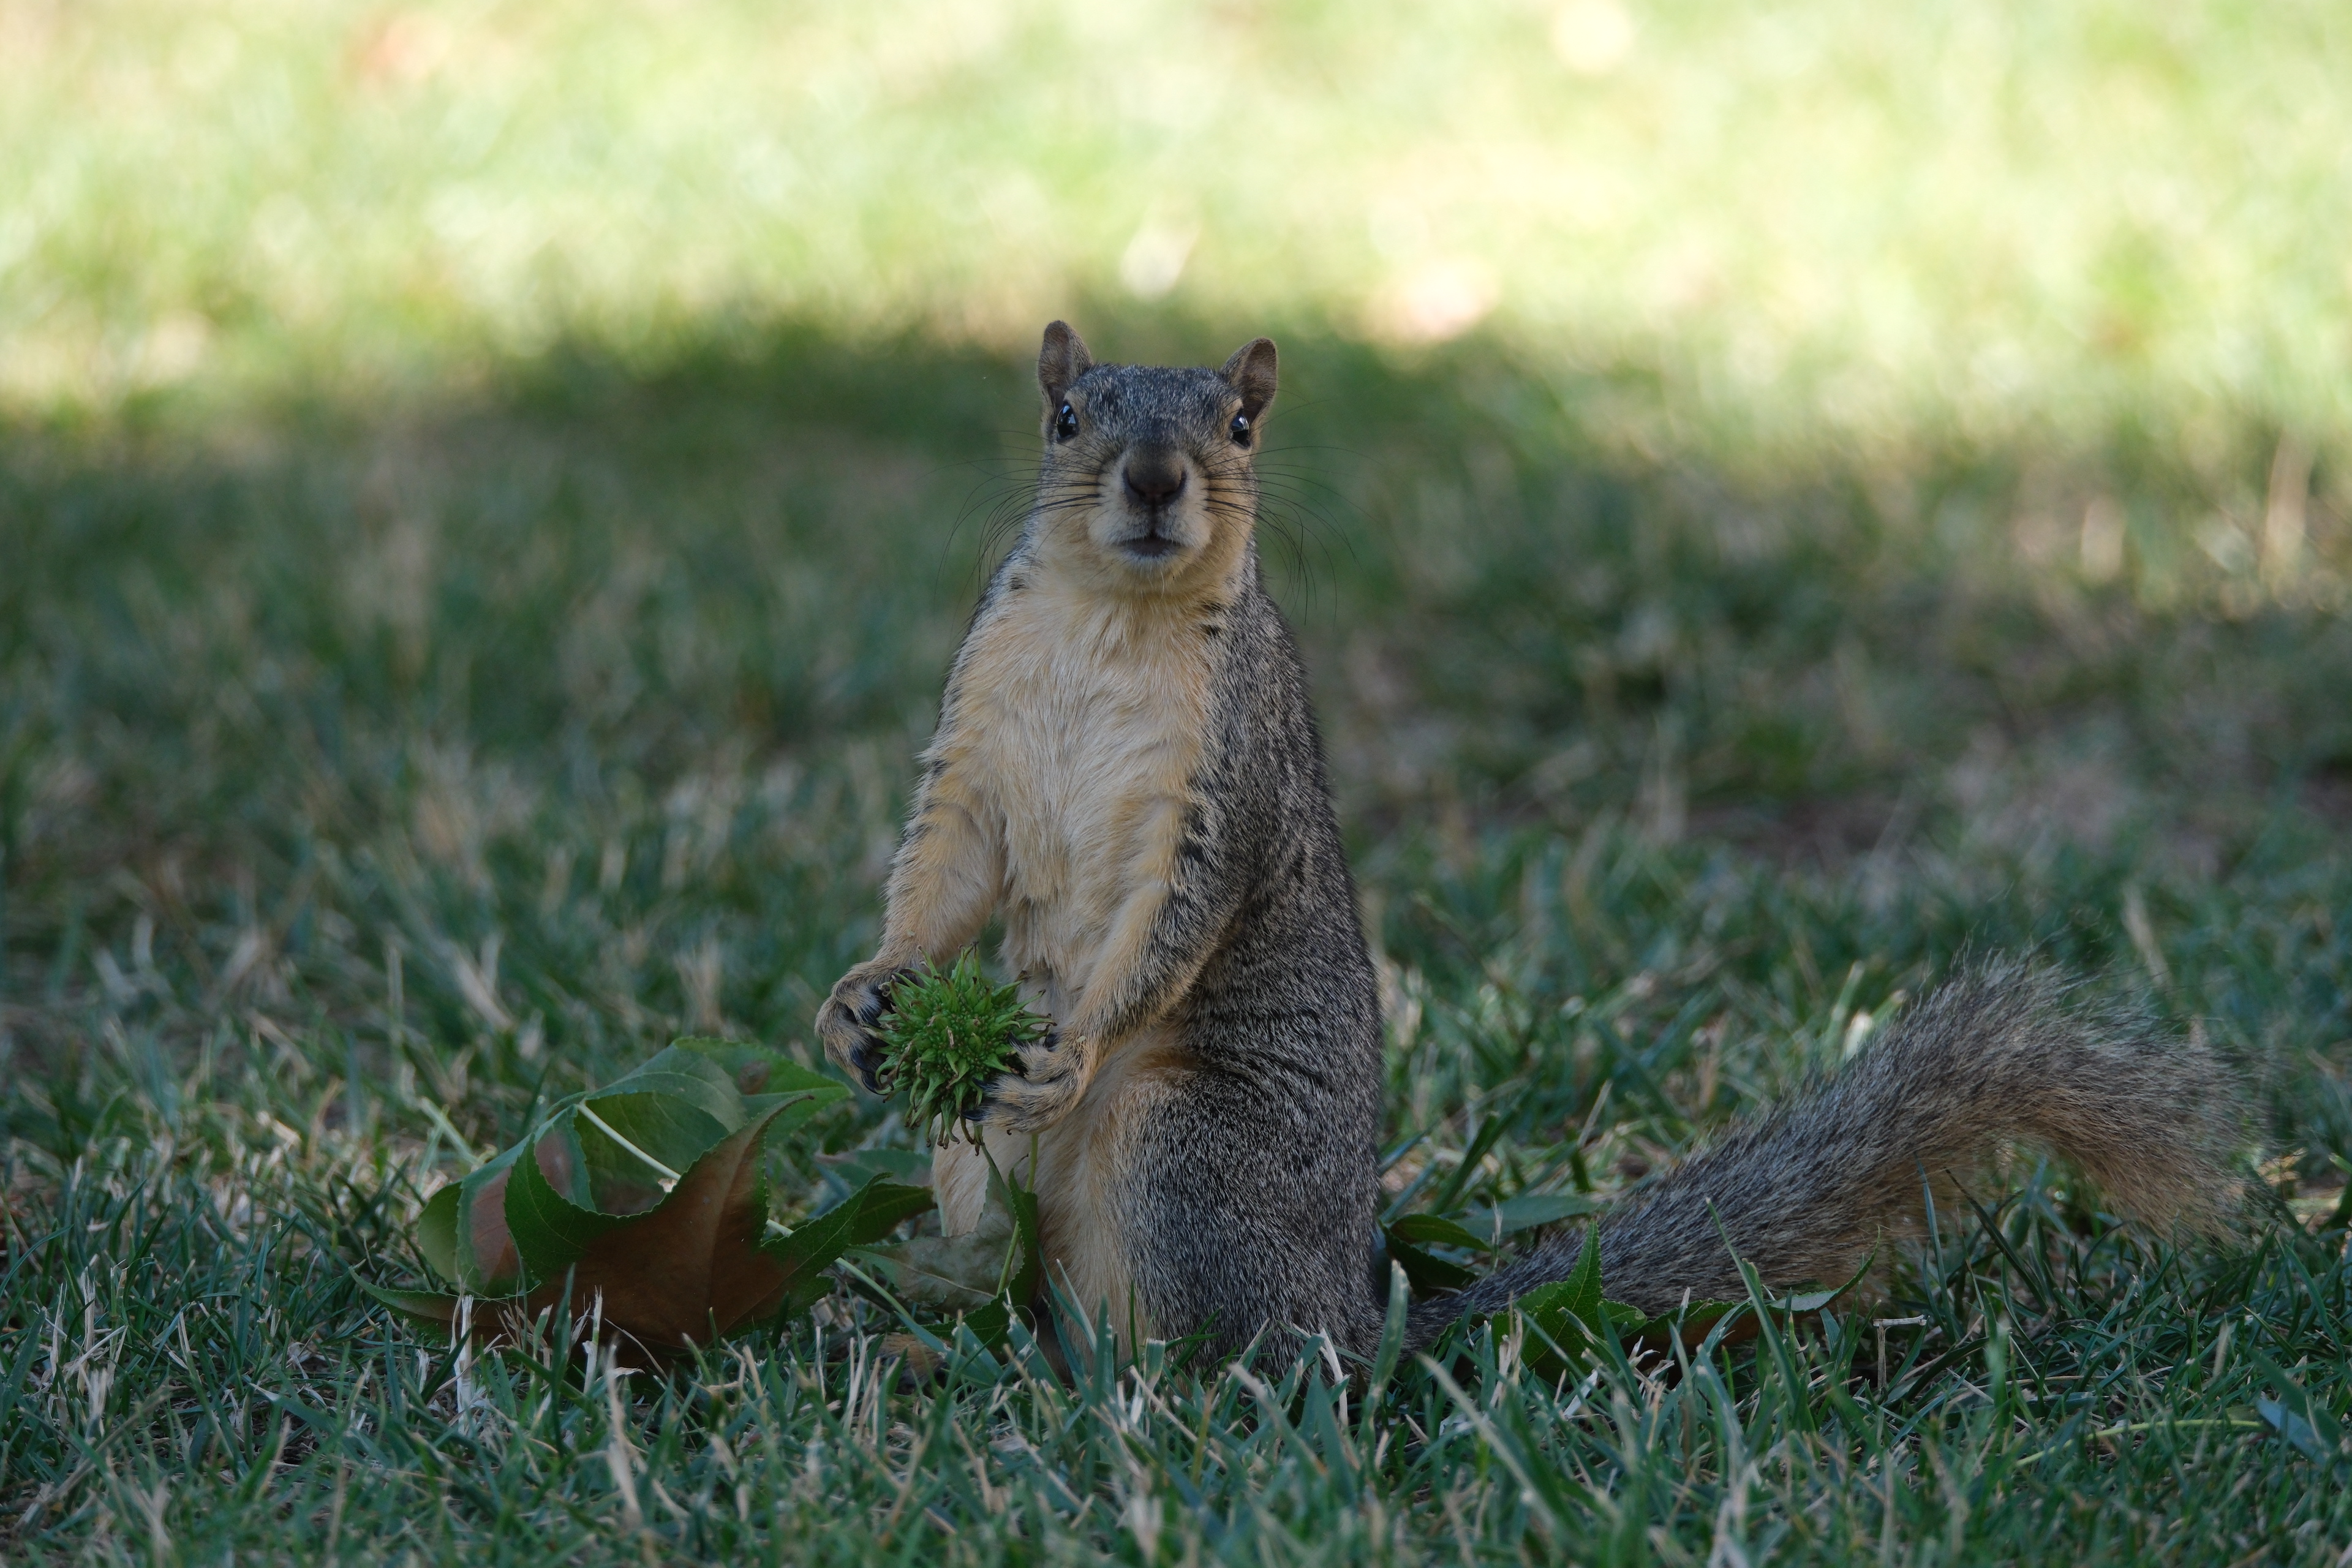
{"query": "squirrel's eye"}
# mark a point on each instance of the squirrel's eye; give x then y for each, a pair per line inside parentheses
(1066, 424)
(1241, 429)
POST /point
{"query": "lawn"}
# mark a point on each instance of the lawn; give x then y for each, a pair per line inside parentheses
(1771, 502)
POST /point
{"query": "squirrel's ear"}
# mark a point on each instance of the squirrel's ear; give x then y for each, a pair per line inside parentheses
(1251, 373)
(1062, 361)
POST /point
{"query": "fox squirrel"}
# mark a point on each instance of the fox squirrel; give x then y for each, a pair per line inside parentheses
(1126, 769)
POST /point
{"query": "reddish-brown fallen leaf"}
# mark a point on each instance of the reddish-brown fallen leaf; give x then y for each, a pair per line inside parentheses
(573, 1219)
(695, 1267)
(683, 1273)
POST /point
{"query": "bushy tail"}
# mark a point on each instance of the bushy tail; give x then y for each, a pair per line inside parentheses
(1807, 1191)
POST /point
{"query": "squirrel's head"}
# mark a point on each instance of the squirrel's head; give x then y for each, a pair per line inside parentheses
(1147, 485)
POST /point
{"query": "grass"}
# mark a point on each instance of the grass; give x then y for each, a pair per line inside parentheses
(369, 783)
(474, 580)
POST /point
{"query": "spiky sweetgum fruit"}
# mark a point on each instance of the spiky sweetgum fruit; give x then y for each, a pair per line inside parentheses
(947, 1033)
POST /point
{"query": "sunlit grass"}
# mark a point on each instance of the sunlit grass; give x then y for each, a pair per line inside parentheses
(1839, 221)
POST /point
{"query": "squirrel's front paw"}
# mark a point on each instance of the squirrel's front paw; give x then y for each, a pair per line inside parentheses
(1051, 1076)
(845, 1022)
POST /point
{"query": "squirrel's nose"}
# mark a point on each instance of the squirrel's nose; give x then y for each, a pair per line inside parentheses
(1154, 477)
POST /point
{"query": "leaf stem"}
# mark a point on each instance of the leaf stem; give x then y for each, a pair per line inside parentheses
(607, 1128)
(671, 1176)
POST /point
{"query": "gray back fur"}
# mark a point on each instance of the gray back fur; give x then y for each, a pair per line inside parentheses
(1265, 1191)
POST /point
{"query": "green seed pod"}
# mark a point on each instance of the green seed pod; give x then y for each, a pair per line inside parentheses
(946, 1035)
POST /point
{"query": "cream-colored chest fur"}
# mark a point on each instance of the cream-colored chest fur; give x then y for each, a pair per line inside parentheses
(1080, 722)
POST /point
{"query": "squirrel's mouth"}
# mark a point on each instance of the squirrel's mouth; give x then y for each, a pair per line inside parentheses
(1151, 546)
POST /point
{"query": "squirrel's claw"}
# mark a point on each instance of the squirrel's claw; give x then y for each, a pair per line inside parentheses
(845, 1022)
(854, 1050)
(1047, 1079)
(1041, 1058)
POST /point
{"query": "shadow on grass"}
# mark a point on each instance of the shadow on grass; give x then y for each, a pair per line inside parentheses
(369, 777)
(769, 539)
(612, 673)
(666, 636)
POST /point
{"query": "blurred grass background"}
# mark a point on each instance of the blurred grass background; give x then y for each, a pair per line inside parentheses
(1806, 226)
(1770, 498)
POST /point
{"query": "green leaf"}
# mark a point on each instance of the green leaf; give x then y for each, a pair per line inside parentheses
(991, 1324)
(635, 1144)
(667, 1114)
(1570, 1312)
(487, 1263)
(431, 1306)
(872, 1213)
(1526, 1212)
(696, 1072)
(857, 1166)
(689, 1270)
(1430, 1230)
(1024, 1271)
(1428, 1273)
(647, 1194)
(948, 1273)
(550, 1230)
(1583, 1283)
(436, 1232)
(757, 1070)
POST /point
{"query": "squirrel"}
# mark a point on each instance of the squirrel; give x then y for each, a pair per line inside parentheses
(1127, 770)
